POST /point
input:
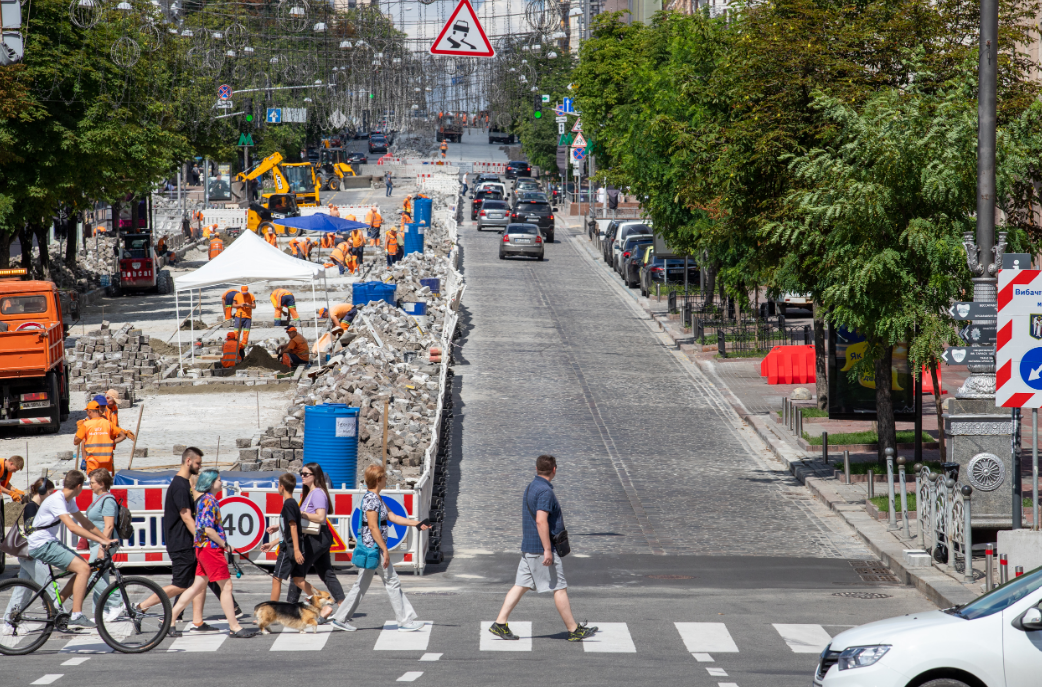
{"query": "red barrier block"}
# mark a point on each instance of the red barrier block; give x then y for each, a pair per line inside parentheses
(789, 365)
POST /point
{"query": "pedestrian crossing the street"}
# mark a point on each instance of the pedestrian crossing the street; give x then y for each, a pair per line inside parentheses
(702, 640)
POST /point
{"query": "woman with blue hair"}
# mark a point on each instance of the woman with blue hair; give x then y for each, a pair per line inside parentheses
(210, 548)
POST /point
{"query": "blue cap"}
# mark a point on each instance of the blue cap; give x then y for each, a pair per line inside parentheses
(101, 400)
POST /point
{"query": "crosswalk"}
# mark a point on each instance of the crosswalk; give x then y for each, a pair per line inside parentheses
(702, 640)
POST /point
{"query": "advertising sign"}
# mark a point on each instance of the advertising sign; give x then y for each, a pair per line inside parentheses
(854, 397)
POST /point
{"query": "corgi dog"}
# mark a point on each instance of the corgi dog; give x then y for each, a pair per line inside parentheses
(298, 615)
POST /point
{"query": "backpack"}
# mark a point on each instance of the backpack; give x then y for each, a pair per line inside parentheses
(124, 520)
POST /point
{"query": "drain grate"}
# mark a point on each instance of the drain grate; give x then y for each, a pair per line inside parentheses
(873, 572)
(862, 595)
(671, 577)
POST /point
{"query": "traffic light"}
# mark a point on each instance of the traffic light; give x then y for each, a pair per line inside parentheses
(248, 109)
(537, 106)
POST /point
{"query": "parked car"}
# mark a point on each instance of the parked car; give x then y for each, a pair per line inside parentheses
(793, 300)
(521, 239)
(518, 168)
(662, 271)
(632, 253)
(481, 196)
(626, 230)
(993, 640)
(540, 214)
(493, 213)
(609, 236)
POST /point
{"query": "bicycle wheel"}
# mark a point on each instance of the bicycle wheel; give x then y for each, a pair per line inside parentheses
(129, 631)
(28, 619)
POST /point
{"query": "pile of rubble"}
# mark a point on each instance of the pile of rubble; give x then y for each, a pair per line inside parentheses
(105, 358)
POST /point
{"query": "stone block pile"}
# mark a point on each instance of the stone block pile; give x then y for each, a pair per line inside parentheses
(107, 358)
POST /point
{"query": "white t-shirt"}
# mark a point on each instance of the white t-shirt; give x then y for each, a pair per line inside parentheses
(52, 508)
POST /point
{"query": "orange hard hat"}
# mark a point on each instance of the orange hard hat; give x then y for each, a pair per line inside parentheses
(244, 289)
(231, 335)
(93, 405)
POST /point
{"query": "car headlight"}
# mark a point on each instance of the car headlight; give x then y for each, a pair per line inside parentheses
(861, 656)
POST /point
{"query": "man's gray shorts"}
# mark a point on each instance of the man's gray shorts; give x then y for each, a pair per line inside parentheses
(533, 574)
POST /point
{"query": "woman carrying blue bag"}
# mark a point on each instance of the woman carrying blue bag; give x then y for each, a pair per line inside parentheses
(371, 556)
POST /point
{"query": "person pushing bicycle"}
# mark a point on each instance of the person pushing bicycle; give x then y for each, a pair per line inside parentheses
(60, 509)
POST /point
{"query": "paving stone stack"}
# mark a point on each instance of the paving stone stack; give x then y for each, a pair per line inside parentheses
(107, 358)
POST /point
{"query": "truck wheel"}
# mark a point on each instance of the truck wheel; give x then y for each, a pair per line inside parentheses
(165, 283)
(334, 184)
(53, 394)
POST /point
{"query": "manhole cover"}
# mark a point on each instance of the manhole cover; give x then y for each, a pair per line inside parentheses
(862, 595)
(873, 572)
(671, 577)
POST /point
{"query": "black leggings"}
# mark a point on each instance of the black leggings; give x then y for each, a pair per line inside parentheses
(318, 557)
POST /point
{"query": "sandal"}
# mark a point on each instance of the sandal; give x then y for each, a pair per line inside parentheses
(243, 633)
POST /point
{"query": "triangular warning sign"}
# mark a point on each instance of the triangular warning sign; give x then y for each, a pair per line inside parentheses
(339, 546)
(462, 35)
(578, 126)
(579, 142)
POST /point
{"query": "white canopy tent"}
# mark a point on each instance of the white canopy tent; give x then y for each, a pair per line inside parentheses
(248, 259)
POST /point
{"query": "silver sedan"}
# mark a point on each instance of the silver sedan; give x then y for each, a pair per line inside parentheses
(494, 213)
(521, 239)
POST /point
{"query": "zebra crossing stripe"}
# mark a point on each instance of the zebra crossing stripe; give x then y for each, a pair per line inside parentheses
(195, 642)
(48, 679)
(610, 638)
(804, 639)
(292, 640)
(521, 628)
(706, 638)
(87, 644)
(391, 639)
(78, 660)
(411, 676)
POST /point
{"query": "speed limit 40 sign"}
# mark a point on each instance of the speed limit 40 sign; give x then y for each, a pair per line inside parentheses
(243, 522)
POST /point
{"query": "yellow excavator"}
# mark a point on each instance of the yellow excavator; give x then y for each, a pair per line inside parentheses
(297, 178)
(332, 168)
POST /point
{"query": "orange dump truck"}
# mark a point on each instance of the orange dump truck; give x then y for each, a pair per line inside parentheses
(34, 378)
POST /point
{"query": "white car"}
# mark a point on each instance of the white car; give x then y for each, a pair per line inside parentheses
(993, 641)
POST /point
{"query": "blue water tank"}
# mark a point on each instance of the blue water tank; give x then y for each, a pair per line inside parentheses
(413, 242)
(417, 309)
(422, 210)
(363, 292)
(360, 293)
(331, 440)
(434, 284)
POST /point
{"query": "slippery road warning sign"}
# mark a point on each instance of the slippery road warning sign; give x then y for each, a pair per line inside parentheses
(462, 35)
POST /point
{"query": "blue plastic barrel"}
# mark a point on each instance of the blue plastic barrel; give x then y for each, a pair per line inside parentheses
(331, 440)
(434, 284)
(413, 242)
(422, 209)
(363, 292)
(360, 293)
(415, 309)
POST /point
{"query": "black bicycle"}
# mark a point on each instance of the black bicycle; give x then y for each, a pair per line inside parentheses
(31, 613)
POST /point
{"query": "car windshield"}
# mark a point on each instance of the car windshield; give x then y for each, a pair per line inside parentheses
(522, 229)
(493, 205)
(299, 178)
(135, 247)
(23, 305)
(1000, 598)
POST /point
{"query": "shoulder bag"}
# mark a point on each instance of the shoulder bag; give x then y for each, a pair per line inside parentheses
(310, 526)
(559, 540)
(14, 542)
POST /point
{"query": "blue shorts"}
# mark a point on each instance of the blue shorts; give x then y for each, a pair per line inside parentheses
(54, 553)
(243, 322)
(288, 301)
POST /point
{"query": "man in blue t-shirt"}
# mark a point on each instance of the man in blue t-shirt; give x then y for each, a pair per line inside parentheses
(540, 567)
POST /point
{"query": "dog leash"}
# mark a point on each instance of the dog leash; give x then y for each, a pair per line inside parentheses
(238, 570)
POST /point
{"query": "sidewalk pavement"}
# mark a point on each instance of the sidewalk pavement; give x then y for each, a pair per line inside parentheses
(754, 402)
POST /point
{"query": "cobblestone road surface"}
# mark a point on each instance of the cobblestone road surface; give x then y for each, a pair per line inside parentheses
(555, 360)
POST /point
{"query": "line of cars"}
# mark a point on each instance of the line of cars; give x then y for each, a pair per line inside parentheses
(523, 214)
(627, 245)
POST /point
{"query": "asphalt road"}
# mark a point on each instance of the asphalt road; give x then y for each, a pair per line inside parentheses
(702, 561)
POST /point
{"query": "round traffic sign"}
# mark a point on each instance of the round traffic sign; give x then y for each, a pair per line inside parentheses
(396, 534)
(243, 522)
(578, 153)
(224, 92)
(1031, 368)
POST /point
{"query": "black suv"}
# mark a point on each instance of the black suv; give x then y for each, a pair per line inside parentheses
(377, 144)
(536, 212)
(517, 168)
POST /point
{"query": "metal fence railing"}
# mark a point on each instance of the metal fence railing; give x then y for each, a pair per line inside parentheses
(750, 334)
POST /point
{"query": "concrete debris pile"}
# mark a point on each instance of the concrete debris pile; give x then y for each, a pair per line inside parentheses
(406, 275)
(107, 358)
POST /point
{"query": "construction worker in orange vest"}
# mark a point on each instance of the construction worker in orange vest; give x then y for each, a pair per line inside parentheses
(216, 246)
(340, 315)
(270, 238)
(407, 205)
(283, 300)
(357, 240)
(228, 300)
(306, 246)
(328, 240)
(8, 467)
(444, 147)
(244, 305)
(374, 220)
(334, 211)
(98, 437)
(338, 256)
(230, 351)
(296, 248)
(295, 352)
(392, 246)
(112, 408)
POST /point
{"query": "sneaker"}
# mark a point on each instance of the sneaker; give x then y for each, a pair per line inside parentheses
(341, 625)
(411, 626)
(81, 621)
(502, 630)
(113, 613)
(205, 628)
(581, 632)
(238, 612)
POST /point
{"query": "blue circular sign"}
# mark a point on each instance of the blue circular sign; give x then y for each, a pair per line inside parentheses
(224, 92)
(396, 534)
(1031, 368)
